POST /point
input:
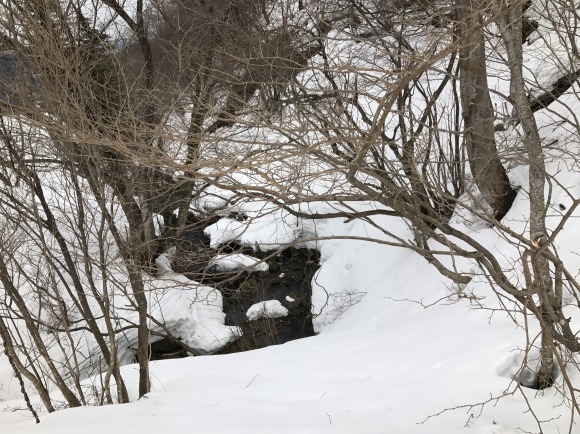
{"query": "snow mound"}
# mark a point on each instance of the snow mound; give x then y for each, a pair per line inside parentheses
(266, 227)
(237, 261)
(191, 312)
(195, 313)
(266, 309)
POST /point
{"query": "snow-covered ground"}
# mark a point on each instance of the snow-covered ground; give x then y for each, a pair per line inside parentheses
(389, 364)
(400, 349)
(237, 261)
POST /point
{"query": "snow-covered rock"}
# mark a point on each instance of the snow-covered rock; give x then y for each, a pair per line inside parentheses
(266, 309)
(237, 261)
(191, 312)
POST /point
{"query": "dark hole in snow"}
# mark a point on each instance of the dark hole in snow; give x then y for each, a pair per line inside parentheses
(166, 349)
(192, 249)
(529, 26)
(163, 349)
(560, 86)
(529, 378)
(238, 216)
(562, 207)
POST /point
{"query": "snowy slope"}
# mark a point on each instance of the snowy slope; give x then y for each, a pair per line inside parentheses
(384, 367)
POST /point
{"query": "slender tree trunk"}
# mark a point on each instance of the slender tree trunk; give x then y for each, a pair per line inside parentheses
(32, 328)
(142, 329)
(478, 116)
(510, 25)
(20, 369)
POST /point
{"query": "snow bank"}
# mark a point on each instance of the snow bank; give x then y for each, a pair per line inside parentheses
(266, 228)
(191, 312)
(389, 364)
(385, 366)
(341, 282)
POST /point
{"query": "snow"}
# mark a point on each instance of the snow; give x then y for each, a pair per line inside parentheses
(290, 299)
(266, 309)
(387, 364)
(237, 261)
(400, 349)
(191, 312)
(267, 227)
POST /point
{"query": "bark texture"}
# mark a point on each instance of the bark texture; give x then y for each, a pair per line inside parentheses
(509, 22)
(478, 116)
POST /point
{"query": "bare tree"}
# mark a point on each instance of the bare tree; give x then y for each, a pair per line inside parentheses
(393, 117)
(141, 112)
(478, 114)
(121, 105)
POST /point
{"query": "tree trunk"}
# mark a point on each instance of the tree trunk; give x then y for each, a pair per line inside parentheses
(17, 365)
(478, 116)
(142, 331)
(510, 22)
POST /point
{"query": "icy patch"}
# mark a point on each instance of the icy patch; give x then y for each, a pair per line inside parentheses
(266, 309)
(237, 261)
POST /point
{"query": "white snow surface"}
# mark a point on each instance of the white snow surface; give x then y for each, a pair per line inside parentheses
(237, 261)
(387, 365)
(267, 228)
(389, 358)
(192, 312)
(266, 309)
